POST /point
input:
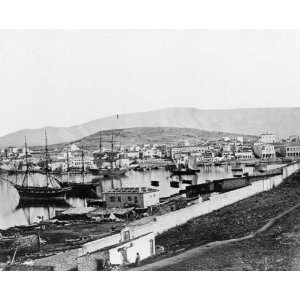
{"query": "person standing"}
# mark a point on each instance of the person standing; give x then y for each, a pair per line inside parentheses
(138, 259)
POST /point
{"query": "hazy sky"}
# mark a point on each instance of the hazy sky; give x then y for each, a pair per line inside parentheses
(64, 78)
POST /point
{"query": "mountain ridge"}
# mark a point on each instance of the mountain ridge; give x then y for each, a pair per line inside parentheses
(247, 121)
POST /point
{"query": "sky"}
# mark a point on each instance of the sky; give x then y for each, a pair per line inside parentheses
(64, 78)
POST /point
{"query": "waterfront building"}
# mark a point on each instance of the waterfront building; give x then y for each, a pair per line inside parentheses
(244, 155)
(133, 155)
(76, 162)
(140, 197)
(58, 165)
(189, 150)
(290, 150)
(264, 151)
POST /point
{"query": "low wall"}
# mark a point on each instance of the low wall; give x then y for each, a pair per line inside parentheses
(99, 244)
(159, 224)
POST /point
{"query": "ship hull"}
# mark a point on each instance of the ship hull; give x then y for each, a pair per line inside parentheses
(108, 172)
(29, 193)
(78, 189)
(183, 172)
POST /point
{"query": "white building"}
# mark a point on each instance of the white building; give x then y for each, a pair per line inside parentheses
(118, 249)
(189, 150)
(264, 151)
(76, 162)
(74, 148)
(133, 154)
(267, 138)
(142, 197)
(240, 139)
(135, 242)
(292, 151)
(244, 155)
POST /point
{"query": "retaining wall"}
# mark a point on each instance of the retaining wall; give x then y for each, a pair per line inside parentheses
(159, 224)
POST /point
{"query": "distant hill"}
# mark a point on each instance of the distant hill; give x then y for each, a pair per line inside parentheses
(153, 135)
(253, 121)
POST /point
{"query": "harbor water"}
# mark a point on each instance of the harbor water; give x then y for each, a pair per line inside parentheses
(16, 213)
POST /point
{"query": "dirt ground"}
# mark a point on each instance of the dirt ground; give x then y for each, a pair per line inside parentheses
(63, 236)
(275, 249)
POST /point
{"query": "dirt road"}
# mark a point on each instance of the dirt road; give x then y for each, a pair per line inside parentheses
(205, 248)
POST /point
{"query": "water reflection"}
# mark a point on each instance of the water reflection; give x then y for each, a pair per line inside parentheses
(13, 212)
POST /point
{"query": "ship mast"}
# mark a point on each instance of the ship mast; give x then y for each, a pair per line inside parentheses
(26, 162)
(82, 163)
(100, 143)
(67, 159)
(68, 164)
(112, 150)
(46, 153)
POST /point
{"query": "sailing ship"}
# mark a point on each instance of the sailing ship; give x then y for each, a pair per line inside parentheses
(52, 188)
(113, 170)
(190, 168)
(79, 189)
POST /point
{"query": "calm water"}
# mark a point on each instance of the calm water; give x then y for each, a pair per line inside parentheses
(14, 213)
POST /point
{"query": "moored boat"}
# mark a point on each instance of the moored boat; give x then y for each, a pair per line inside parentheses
(179, 172)
(52, 188)
(79, 189)
(34, 192)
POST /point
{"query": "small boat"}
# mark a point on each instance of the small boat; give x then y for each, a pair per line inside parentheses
(112, 172)
(174, 184)
(185, 181)
(237, 169)
(179, 172)
(250, 164)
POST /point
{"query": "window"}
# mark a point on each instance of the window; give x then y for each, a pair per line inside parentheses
(119, 199)
(129, 198)
(112, 199)
(126, 235)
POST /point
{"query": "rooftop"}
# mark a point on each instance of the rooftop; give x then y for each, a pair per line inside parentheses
(133, 190)
(295, 144)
